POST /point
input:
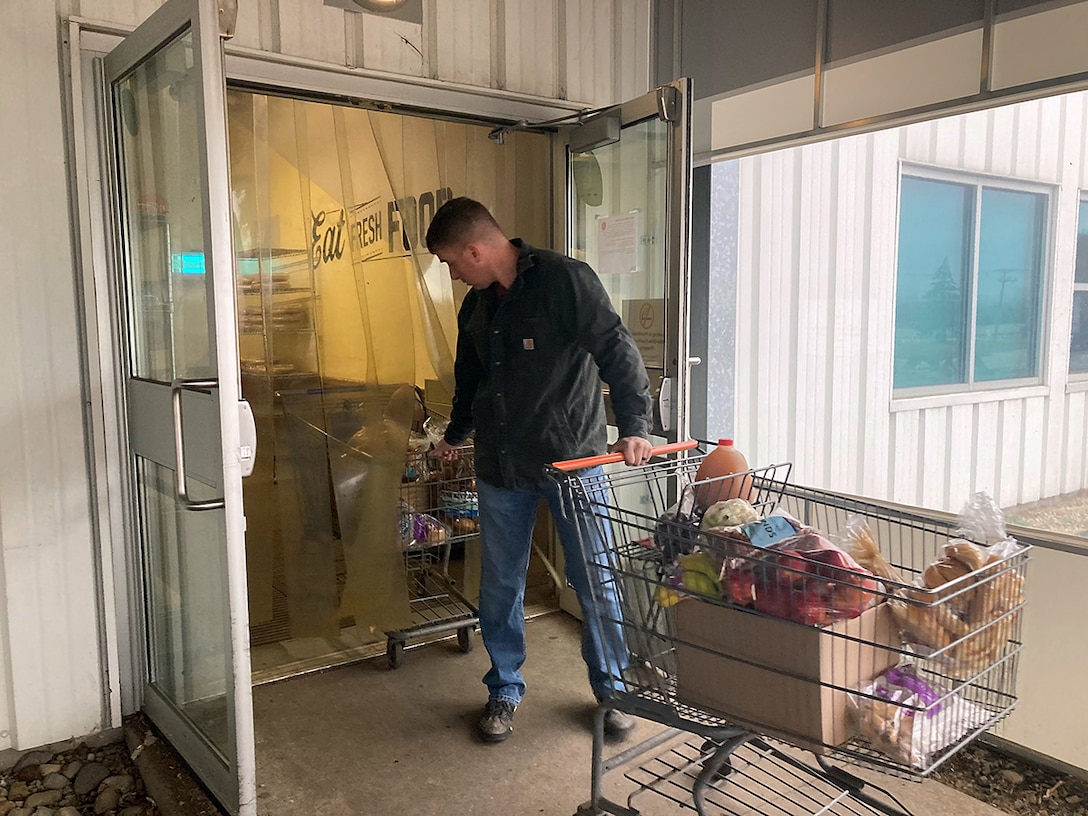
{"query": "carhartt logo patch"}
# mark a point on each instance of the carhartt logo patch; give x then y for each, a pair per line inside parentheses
(528, 344)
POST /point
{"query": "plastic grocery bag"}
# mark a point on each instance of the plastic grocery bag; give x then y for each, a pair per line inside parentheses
(910, 719)
(983, 522)
(856, 539)
(803, 578)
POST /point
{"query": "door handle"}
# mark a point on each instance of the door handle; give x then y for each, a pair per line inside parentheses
(176, 388)
(664, 404)
(247, 438)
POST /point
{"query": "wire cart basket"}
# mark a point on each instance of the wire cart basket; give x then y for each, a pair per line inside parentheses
(751, 630)
(438, 510)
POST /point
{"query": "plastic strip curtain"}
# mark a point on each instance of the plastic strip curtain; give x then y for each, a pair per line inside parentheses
(428, 161)
(347, 313)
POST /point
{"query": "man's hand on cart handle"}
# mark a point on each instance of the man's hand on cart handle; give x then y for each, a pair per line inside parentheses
(635, 450)
(610, 458)
(444, 450)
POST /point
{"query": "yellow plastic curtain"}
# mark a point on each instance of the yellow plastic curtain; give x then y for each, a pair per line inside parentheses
(343, 314)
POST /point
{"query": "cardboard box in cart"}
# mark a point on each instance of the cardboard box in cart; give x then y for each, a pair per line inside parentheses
(783, 688)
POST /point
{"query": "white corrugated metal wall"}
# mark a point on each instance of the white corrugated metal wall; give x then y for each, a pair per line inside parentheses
(816, 289)
(51, 680)
(50, 677)
(592, 51)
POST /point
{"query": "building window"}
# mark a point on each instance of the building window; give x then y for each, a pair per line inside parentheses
(969, 286)
(1078, 339)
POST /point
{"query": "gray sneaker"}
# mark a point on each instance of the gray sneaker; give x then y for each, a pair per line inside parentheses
(617, 725)
(498, 721)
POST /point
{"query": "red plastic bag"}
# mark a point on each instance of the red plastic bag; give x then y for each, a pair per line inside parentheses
(805, 579)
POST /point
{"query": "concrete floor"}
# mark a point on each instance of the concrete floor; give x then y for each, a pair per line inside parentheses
(363, 739)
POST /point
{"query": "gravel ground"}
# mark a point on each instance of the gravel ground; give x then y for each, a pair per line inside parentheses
(1014, 785)
(1061, 514)
(78, 782)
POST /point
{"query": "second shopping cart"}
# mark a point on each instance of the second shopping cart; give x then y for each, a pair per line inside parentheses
(438, 512)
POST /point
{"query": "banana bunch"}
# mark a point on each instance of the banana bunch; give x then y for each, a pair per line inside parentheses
(698, 575)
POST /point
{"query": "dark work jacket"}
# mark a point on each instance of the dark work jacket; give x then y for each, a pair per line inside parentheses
(529, 369)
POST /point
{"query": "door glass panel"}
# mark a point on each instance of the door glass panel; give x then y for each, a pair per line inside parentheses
(619, 227)
(168, 307)
(189, 649)
(166, 211)
(626, 204)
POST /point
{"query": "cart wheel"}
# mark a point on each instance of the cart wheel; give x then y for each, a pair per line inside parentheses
(464, 639)
(394, 650)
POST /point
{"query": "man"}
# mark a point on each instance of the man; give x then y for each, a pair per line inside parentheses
(536, 335)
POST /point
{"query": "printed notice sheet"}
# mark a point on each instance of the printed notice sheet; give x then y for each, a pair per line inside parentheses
(617, 244)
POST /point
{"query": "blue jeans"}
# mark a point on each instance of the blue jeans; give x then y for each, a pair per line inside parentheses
(507, 518)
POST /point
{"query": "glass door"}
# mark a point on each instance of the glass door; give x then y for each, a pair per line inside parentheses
(164, 91)
(628, 196)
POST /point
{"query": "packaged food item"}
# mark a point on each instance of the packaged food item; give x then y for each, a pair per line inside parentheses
(971, 598)
(676, 533)
(804, 578)
(857, 540)
(418, 530)
(909, 718)
(696, 573)
(463, 525)
(768, 532)
(729, 513)
(982, 521)
(699, 573)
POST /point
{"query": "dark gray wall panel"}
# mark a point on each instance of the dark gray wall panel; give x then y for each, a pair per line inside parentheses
(1008, 6)
(859, 26)
(731, 44)
(883, 62)
(665, 34)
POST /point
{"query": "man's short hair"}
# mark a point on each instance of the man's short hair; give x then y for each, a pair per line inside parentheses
(459, 221)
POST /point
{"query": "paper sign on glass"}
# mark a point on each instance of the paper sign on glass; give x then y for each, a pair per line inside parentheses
(617, 244)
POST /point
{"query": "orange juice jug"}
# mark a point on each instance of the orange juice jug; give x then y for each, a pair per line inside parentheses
(722, 466)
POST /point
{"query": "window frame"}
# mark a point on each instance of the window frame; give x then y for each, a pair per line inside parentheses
(974, 390)
(1078, 380)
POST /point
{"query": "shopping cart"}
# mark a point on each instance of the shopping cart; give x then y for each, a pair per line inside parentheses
(769, 663)
(438, 512)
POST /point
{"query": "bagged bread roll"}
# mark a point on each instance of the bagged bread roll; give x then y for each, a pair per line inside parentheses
(968, 605)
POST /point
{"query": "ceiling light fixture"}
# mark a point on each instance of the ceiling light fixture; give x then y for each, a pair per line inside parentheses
(380, 5)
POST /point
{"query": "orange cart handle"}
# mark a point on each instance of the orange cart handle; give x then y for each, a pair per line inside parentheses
(609, 458)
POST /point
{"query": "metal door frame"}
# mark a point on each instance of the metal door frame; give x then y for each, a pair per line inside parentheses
(102, 318)
(671, 102)
(655, 103)
(231, 772)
